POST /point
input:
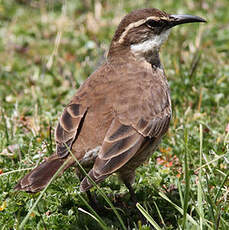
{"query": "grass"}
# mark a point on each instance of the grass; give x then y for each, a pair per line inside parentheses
(47, 49)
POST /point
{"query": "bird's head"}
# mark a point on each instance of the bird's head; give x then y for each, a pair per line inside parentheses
(146, 29)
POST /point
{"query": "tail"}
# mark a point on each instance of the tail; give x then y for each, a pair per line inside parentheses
(39, 177)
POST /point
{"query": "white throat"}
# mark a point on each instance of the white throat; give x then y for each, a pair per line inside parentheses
(151, 44)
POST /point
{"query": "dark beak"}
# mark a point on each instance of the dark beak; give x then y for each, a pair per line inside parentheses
(184, 18)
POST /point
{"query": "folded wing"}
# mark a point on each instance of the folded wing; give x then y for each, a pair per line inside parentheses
(68, 128)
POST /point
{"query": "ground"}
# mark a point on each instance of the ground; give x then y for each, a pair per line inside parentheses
(47, 49)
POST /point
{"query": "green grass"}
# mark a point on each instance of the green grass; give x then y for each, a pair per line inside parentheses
(47, 49)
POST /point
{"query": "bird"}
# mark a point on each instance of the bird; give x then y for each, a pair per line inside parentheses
(118, 116)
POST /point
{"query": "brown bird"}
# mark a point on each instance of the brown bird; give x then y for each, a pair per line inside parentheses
(118, 116)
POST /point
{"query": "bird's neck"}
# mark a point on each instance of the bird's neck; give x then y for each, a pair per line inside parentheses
(127, 53)
(151, 56)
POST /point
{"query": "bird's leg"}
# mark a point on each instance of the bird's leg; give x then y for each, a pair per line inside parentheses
(132, 193)
(134, 199)
(93, 202)
(80, 175)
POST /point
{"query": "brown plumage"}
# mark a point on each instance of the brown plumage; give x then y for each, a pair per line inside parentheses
(118, 116)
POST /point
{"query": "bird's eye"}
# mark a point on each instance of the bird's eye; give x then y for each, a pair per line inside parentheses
(153, 23)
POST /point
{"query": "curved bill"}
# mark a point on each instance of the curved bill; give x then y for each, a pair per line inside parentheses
(177, 19)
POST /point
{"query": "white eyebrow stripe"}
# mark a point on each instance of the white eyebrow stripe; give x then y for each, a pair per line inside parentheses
(136, 24)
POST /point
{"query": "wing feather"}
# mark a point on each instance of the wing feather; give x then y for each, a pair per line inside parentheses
(120, 145)
(68, 128)
(118, 139)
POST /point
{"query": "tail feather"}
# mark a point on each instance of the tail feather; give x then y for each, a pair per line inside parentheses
(39, 177)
